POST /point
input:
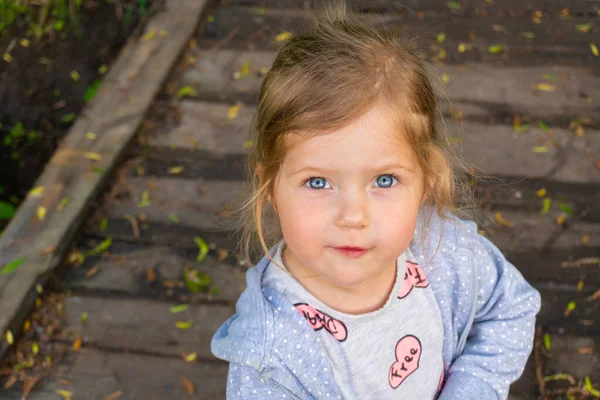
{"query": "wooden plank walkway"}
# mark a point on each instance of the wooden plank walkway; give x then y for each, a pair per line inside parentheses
(131, 346)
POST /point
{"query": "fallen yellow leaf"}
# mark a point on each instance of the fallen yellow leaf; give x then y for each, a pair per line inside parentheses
(560, 219)
(93, 156)
(184, 325)
(150, 35)
(77, 343)
(176, 170)
(594, 50)
(503, 221)
(7, 57)
(90, 135)
(65, 394)
(233, 111)
(10, 339)
(284, 36)
(41, 212)
(585, 239)
(190, 357)
(541, 193)
(189, 386)
(545, 87)
(36, 191)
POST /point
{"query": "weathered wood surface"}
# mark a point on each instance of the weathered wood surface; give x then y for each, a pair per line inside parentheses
(556, 40)
(95, 374)
(114, 116)
(130, 341)
(469, 7)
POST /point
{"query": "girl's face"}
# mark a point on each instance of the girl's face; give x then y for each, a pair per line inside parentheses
(355, 187)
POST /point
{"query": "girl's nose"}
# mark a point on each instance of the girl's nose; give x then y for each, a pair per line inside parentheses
(353, 212)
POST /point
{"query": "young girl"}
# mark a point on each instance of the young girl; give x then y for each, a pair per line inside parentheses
(373, 287)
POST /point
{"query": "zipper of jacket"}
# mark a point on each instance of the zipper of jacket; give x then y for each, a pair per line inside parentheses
(463, 339)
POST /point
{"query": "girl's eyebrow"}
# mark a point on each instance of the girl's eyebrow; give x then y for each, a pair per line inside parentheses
(382, 167)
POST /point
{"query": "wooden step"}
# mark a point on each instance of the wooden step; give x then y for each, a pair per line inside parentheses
(496, 149)
(577, 357)
(155, 272)
(97, 374)
(468, 7)
(554, 38)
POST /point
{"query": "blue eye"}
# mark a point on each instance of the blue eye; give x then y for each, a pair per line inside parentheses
(319, 182)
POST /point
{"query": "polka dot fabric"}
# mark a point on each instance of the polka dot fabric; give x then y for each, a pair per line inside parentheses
(487, 307)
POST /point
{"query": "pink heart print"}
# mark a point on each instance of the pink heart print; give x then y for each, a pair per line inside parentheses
(413, 277)
(319, 320)
(408, 354)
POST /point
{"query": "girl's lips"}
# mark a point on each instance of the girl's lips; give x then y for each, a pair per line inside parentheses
(351, 251)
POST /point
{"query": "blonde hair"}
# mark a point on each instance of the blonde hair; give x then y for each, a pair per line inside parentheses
(326, 79)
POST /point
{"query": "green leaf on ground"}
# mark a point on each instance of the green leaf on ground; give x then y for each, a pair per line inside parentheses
(196, 281)
(547, 204)
(202, 249)
(91, 91)
(105, 245)
(179, 308)
(12, 266)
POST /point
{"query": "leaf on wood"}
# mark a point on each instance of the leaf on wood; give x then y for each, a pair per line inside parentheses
(145, 201)
(10, 339)
(454, 5)
(189, 386)
(65, 394)
(594, 49)
(92, 271)
(503, 221)
(190, 357)
(547, 341)
(541, 193)
(528, 35)
(77, 344)
(103, 224)
(196, 281)
(441, 37)
(539, 149)
(184, 325)
(176, 170)
(150, 275)
(173, 218)
(569, 309)
(496, 48)
(561, 219)
(545, 87)
(547, 203)
(566, 209)
(90, 136)
(585, 350)
(590, 388)
(35, 348)
(114, 396)
(202, 249)
(284, 36)
(178, 308)
(584, 28)
(37, 191)
(105, 245)
(63, 204)
(186, 91)
(233, 111)
(12, 266)
(93, 156)
(41, 213)
(585, 239)
(149, 35)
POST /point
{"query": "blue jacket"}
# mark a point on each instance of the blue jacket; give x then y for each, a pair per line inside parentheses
(488, 312)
